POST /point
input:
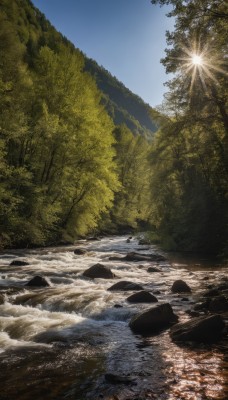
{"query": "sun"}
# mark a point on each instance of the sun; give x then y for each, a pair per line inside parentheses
(197, 59)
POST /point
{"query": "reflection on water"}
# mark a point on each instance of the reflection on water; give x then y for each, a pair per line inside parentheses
(58, 342)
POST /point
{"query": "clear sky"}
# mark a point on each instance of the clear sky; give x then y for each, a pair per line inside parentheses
(126, 37)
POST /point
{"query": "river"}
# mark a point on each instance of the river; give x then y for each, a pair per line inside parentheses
(58, 342)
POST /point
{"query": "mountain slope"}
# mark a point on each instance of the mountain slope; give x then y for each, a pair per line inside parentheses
(35, 31)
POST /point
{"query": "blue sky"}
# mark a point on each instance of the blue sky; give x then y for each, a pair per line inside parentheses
(126, 37)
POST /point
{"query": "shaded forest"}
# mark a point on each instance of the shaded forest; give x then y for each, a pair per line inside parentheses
(78, 153)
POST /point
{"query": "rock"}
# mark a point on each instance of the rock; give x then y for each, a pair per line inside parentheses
(142, 297)
(125, 285)
(202, 306)
(118, 379)
(79, 251)
(184, 299)
(38, 281)
(1, 299)
(218, 304)
(144, 241)
(193, 313)
(211, 293)
(200, 329)
(180, 286)
(99, 271)
(19, 263)
(133, 256)
(154, 319)
(128, 240)
(153, 269)
(117, 306)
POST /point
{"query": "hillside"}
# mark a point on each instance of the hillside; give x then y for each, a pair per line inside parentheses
(35, 30)
(122, 105)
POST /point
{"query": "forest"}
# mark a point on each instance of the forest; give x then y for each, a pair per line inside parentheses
(68, 168)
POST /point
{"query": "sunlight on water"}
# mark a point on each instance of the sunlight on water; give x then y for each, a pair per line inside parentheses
(77, 321)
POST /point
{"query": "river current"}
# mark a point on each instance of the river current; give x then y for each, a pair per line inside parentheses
(58, 342)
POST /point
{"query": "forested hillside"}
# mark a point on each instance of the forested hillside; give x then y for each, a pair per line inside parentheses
(123, 105)
(59, 164)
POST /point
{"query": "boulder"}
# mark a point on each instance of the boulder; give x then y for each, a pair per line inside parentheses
(142, 297)
(79, 251)
(154, 319)
(153, 269)
(133, 256)
(38, 281)
(200, 329)
(180, 286)
(19, 263)
(99, 271)
(218, 304)
(125, 285)
(211, 292)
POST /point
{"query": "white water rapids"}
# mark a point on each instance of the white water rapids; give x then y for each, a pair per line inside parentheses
(79, 318)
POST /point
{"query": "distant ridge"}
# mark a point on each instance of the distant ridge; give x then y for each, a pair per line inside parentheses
(122, 105)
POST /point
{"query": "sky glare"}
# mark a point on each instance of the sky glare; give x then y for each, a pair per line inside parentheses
(126, 37)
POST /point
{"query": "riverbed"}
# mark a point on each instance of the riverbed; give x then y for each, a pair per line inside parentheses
(58, 342)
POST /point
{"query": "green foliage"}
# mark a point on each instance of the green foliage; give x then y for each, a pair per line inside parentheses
(56, 142)
(132, 202)
(189, 157)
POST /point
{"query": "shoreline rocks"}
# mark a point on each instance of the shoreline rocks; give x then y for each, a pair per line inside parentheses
(200, 329)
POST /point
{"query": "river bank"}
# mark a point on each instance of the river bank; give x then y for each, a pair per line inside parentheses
(61, 341)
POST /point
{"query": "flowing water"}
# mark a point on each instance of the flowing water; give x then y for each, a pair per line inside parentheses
(58, 342)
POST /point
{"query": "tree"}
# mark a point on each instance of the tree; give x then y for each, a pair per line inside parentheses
(190, 152)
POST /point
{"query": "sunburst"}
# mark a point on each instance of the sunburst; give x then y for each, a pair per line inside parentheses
(203, 62)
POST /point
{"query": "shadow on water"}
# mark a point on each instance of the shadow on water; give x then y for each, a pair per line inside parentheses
(72, 365)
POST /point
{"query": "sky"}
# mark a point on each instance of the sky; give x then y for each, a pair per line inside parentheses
(126, 37)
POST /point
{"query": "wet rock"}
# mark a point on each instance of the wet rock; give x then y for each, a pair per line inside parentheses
(218, 304)
(184, 299)
(118, 306)
(211, 292)
(202, 306)
(144, 241)
(19, 263)
(193, 313)
(200, 329)
(79, 251)
(142, 297)
(154, 319)
(128, 240)
(118, 379)
(153, 269)
(1, 299)
(99, 271)
(125, 285)
(133, 256)
(180, 286)
(38, 280)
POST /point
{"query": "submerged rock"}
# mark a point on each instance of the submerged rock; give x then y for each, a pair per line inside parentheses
(19, 263)
(153, 269)
(118, 379)
(154, 319)
(180, 286)
(80, 251)
(200, 329)
(38, 280)
(99, 271)
(125, 285)
(142, 297)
